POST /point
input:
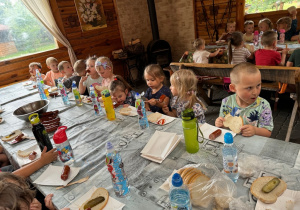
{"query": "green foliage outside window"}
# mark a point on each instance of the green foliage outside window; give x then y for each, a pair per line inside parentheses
(257, 6)
(21, 29)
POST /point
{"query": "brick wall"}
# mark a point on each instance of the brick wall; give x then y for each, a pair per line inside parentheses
(7, 48)
(175, 23)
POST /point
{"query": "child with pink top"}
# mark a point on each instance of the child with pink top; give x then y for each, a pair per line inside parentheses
(104, 67)
(54, 73)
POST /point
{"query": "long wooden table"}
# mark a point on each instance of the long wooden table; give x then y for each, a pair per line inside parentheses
(88, 135)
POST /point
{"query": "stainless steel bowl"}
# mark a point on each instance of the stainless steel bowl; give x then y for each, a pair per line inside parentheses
(23, 112)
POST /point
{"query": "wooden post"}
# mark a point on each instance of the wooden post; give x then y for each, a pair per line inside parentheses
(240, 15)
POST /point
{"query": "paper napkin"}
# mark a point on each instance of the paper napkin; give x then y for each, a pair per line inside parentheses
(160, 145)
(51, 176)
(112, 203)
(23, 161)
(207, 129)
(297, 162)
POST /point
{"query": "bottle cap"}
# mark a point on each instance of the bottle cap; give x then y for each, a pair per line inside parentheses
(109, 146)
(34, 118)
(177, 180)
(92, 88)
(74, 84)
(60, 135)
(282, 31)
(188, 114)
(137, 95)
(105, 93)
(255, 32)
(228, 138)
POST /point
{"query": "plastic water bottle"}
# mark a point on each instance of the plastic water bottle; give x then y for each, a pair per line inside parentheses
(190, 131)
(63, 92)
(76, 94)
(230, 160)
(255, 38)
(259, 39)
(94, 97)
(115, 167)
(281, 36)
(40, 85)
(179, 195)
(109, 108)
(62, 144)
(142, 116)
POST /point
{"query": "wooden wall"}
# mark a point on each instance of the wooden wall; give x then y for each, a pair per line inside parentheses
(95, 42)
(204, 25)
(273, 16)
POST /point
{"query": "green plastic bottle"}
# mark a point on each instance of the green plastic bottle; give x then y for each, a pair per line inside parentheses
(190, 130)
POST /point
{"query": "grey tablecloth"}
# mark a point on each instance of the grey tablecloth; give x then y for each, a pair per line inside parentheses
(88, 135)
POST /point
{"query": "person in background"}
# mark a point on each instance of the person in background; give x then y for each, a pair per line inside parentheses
(54, 74)
(294, 59)
(290, 27)
(66, 69)
(104, 67)
(183, 88)
(155, 78)
(269, 56)
(230, 28)
(32, 70)
(237, 53)
(265, 25)
(201, 55)
(91, 77)
(249, 28)
(79, 71)
(122, 92)
(254, 110)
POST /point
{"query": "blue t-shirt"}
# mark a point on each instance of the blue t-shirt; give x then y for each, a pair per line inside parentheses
(163, 91)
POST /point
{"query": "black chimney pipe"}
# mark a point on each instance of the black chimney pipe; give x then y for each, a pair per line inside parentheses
(153, 19)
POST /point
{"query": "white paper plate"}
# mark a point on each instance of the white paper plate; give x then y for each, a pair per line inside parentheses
(27, 83)
(23, 161)
(166, 117)
(289, 200)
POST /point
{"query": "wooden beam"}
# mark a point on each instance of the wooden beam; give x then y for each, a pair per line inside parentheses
(240, 15)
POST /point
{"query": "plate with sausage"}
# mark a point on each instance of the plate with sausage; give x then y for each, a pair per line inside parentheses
(214, 133)
(57, 175)
(159, 119)
(28, 155)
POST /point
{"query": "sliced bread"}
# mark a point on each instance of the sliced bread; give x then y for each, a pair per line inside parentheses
(271, 197)
(125, 111)
(24, 154)
(154, 117)
(12, 135)
(233, 123)
(98, 192)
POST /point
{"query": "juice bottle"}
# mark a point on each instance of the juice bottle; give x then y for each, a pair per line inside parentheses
(96, 104)
(190, 131)
(63, 92)
(64, 149)
(109, 108)
(142, 116)
(76, 94)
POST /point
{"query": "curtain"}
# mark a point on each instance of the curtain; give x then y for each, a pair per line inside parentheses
(41, 9)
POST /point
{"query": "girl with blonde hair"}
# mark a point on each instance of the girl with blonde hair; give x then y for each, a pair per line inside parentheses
(183, 88)
(104, 67)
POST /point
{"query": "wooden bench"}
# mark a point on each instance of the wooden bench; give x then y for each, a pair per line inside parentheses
(288, 75)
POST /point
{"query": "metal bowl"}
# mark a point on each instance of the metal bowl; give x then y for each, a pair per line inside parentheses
(39, 107)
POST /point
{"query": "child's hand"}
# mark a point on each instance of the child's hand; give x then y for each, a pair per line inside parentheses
(48, 157)
(219, 122)
(248, 130)
(285, 51)
(35, 205)
(152, 101)
(84, 78)
(165, 109)
(48, 202)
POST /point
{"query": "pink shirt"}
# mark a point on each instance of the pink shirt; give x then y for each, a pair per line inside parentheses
(106, 82)
(51, 76)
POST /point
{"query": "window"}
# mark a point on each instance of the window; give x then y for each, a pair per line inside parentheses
(258, 6)
(20, 32)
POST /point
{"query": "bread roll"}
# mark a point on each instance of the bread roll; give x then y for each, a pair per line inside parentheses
(12, 135)
(125, 111)
(99, 192)
(233, 123)
(154, 117)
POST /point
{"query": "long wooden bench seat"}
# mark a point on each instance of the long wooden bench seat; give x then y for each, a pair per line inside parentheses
(288, 75)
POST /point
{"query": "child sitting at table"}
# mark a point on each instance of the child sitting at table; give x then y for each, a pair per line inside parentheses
(265, 25)
(230, 28)
(249, 28)
(238, 53)
(104, 67)
(269, 56)
(66, 69)
(54, 74)
(15, 193)
(289, 26)
(91, 77)
(122, 92)
(32, 70)
(183, 87)
(201, 55)
(155, 78)
(294, 60)
(255, 111)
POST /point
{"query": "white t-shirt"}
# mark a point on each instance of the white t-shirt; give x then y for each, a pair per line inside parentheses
(201, 56)
(89, 81)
